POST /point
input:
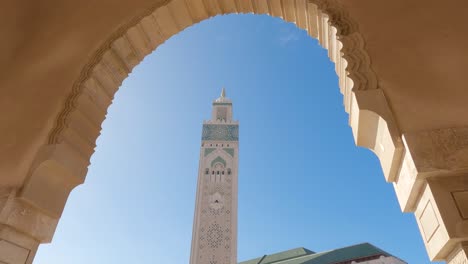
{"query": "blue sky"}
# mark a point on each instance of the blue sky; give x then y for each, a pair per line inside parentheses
(302, 180)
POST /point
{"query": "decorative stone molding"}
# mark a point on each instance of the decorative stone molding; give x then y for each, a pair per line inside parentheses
(23, 217)
(337, 16)
(459, 255)
(371, 118)
(440, 151)
(29, 216)
(440, 213)
(15, 247)
(435, 153)
(22, 227)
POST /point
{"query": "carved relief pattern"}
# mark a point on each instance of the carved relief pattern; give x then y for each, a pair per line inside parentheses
(220, 132)
(214, 242)
(442, 149)
(353, 51)
(459, 258)
(26, 218)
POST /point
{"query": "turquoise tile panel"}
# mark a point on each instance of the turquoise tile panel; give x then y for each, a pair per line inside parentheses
(220, 132)
(208, 151)
(230, 151)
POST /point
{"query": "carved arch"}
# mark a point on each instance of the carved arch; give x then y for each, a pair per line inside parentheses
(78, 125)
(72, 140)
(218, 160)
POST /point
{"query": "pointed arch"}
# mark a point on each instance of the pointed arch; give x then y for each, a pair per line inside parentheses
(218, 160)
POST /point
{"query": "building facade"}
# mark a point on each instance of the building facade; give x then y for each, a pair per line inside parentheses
(357, 254)
(214, 238)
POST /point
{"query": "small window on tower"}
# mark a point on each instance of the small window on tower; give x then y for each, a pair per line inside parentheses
(229, 171)
(207, 171)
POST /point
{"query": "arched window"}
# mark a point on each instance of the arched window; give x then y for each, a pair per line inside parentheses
(229, 171)
(207, 171)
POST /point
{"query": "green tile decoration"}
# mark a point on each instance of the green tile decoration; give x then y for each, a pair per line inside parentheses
(220, 132)
(218, 159)
(230, 151)
(208, 151)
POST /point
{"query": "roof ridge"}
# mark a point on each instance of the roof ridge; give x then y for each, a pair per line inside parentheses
(260, 261)
(286, 255)
(364, 243)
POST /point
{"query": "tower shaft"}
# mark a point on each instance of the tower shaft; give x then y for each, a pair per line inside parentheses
(214, 239)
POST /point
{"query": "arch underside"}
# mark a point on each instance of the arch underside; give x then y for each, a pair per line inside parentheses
(72, 141)
(78, 125)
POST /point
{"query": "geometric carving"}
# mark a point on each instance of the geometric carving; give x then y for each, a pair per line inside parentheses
(214, 235)
(216, 201)
(219, 160)
(461, 201)
(220, 132)
(429, 222)
(459, 258)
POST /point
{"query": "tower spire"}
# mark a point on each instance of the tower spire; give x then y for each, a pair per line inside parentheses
(223, 93)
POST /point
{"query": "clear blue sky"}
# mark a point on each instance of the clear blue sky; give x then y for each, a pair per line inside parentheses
(302, 181)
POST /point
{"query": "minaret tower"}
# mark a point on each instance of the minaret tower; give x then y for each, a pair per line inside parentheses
(214, 238)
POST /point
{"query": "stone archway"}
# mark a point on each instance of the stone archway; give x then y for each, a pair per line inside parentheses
(30, 214)
(370, 114)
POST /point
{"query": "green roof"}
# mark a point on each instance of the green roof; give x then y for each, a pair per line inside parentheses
(305, 256)
(293, 253)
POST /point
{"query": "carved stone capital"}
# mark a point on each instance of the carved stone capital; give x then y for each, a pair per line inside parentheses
(16, 247)
(17, 214)
(56, 171)
(442, 214)
(439, 152)
(459, 254)
(435, 153)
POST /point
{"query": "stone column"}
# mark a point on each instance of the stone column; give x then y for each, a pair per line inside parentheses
(30, 214)
(22, 228)
(433, 183)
